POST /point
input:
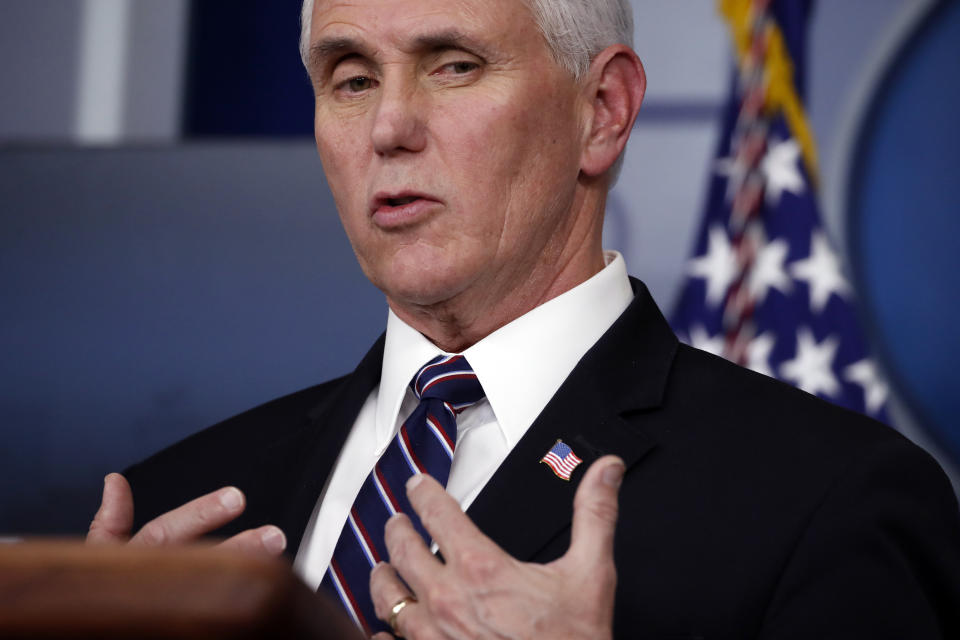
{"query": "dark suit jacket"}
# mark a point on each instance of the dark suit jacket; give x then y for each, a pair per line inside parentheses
(749, 509)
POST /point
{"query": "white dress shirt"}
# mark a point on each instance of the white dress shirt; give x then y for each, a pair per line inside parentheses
(520, 366)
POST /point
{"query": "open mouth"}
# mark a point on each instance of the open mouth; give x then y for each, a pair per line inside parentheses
(399, 202)
(401, 208)
(399, 199)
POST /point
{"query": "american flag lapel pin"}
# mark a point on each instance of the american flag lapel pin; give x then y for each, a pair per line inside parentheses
(562, 460)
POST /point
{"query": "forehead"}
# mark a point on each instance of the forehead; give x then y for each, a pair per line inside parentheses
(398, 21)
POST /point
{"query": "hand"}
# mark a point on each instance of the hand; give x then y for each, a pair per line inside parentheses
(114, 520)
(481, 592)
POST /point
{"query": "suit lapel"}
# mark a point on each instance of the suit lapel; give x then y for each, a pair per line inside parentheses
(525, 505)
(316, 453)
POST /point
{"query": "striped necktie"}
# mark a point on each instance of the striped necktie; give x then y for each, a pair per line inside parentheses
(445, 386)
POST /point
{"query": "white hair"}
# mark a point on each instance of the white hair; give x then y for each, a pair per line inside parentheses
(575, 30)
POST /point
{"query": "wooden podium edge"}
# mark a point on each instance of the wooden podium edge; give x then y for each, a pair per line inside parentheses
(65, 589)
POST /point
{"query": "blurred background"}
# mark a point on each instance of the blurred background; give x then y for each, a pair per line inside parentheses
(170, 254)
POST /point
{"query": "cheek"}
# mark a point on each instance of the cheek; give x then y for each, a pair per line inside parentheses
(343, 163)
(523, 157)
(528, 129)
(513, 164)
(479, 150)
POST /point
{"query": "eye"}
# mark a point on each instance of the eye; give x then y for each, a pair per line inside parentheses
(453, 72)
(357, 84)
(461, 67)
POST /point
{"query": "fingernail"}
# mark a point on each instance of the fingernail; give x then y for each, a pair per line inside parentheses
(273, 540)
(414, 480)
(613, 475)
(231, 499)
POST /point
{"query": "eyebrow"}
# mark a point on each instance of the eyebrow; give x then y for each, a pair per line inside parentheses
(327, 48)
(451, 39)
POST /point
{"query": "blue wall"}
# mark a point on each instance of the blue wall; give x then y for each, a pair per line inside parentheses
(148, 293)
(244, 75)
(904, 223)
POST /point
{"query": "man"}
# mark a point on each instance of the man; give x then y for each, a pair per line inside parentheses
(470, 145)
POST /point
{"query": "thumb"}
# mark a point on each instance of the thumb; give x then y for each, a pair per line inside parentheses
(595, 512)
(114, 519)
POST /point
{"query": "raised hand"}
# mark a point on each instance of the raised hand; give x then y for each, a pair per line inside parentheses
(482, 592)
(113, 522)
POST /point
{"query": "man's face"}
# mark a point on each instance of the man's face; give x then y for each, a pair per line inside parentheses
(451, 142)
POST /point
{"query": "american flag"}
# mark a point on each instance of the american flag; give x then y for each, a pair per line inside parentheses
(561, 459)
(765, 287)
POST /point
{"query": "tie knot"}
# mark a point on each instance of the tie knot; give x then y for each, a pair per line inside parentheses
(450, 379)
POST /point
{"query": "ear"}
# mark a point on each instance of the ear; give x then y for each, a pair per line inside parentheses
(614, 88)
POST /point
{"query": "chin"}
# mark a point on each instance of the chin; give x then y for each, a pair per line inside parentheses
(418, 296)
(421, 278)
(426, 289)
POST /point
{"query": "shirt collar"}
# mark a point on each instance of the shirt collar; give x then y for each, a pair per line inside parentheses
(520, 365)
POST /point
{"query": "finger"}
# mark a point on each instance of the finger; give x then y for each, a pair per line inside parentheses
(194, 519)
(595, 511)
(267, 540)
(386, 590)
(114, 518)
(383, 635)
(443, 518)
(409, 555)
(414, 622)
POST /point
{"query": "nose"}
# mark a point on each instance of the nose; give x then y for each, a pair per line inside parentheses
(398, 125)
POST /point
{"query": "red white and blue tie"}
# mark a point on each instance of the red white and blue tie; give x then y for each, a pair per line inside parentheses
(445, 386)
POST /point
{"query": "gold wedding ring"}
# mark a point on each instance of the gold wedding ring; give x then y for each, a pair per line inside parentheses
(395, 611)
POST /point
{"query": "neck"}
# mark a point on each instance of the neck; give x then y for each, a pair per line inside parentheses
(464, 319)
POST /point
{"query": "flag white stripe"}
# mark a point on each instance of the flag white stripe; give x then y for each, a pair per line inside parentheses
(556, 462)
(563, 462)
(562, 466)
